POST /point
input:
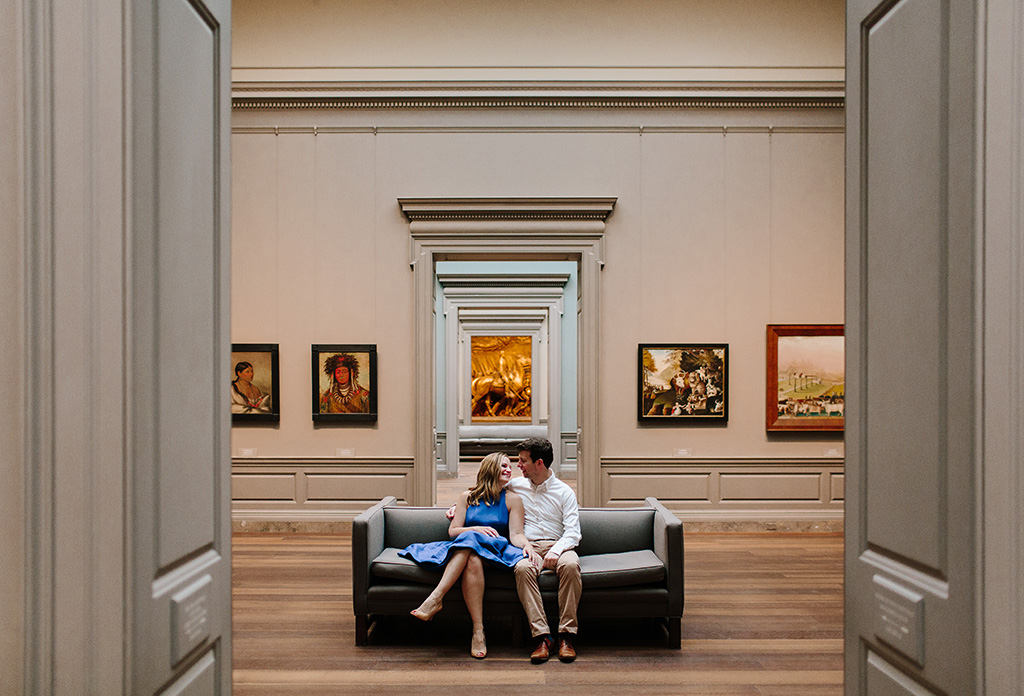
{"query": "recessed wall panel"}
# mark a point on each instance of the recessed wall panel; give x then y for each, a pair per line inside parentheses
(361, 487)
(905, 229)
(837, 486)
(770, 487)
(263, 487)
(664, 486)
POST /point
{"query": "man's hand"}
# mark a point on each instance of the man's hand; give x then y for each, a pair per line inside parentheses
(451, 513)
(551, 560)
(535, 558)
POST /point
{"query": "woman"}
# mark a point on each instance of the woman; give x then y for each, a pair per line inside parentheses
(246, 397)
(486, 517)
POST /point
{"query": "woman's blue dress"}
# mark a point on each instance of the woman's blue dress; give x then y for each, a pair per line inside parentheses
(495, 550)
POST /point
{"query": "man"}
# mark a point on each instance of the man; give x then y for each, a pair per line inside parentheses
(344, 395)
(551, 531)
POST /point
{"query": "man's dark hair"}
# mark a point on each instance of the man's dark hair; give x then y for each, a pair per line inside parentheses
(342, 360)
(539, 448)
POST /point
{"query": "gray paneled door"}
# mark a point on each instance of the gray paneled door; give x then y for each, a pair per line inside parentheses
(913, 396)
(179, 514)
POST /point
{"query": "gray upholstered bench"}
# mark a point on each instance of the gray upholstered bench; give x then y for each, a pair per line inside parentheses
(631, 560)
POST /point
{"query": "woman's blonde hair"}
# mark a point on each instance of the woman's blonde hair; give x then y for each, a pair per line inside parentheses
(488, 480)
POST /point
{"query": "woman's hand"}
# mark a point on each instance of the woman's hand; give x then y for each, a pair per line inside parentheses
(489, 531)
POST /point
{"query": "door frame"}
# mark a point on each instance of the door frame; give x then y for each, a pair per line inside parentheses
(506, 229)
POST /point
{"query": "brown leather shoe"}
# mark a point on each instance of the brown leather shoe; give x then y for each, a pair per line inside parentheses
(566, 653)
(543, 651)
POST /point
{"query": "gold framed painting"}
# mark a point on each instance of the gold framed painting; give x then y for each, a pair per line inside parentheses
(501, 379)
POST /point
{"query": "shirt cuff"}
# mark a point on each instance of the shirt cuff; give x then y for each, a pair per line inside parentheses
(560, 547)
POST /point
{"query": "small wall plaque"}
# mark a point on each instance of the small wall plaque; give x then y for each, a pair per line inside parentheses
(899, 618)
(190, 618)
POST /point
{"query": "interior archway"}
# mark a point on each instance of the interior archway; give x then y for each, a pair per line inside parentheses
(507, 229)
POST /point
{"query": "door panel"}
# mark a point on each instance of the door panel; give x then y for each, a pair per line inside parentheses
(911, 347)
(903, 277)
(180, 349)
(186, 267)
(884, 680)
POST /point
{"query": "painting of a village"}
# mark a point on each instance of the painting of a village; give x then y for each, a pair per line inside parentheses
(810, 381)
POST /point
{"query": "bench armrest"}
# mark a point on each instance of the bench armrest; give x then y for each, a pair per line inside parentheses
(367, 544)
(668, 546)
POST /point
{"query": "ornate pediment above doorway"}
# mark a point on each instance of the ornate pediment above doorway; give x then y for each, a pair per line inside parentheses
(507, 208)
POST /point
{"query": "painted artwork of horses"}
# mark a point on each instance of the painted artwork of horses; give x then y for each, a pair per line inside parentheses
(500, 379)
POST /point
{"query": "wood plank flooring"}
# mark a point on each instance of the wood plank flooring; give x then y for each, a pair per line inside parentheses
(763, 617)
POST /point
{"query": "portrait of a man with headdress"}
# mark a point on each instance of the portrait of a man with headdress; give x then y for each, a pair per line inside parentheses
(345, 394)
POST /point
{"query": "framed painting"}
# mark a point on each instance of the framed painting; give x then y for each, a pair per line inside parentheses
(806, 387)
(683, 382)
(500, 379)
(255, 384)
(344, 383)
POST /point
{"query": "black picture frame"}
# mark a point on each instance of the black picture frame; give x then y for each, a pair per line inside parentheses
(683, 382)
(262, 360)
(364, 396)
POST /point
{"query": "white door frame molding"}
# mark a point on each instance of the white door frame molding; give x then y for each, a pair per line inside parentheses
(1002, 137)
(483, 229)
(502, 304)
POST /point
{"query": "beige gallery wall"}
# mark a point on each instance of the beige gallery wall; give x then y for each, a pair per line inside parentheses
(525, 39)
(726, 219)
(713, 237)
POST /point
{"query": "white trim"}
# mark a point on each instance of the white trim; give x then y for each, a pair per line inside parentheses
(503, 304)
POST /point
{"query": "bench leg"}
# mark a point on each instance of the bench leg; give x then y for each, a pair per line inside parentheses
(362, 628)
(675, 633)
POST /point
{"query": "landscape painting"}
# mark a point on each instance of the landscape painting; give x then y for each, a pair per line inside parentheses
(682, 382)
(806, 387)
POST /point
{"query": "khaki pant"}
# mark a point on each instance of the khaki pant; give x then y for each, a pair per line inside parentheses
(570, 585)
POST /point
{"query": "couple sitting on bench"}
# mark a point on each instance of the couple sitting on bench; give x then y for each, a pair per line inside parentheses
(524, 524)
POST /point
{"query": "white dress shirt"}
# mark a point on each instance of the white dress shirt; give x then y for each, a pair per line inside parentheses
(550, 512)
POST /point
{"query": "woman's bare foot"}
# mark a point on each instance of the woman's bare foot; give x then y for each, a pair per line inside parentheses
(478, 646)
(426, 611)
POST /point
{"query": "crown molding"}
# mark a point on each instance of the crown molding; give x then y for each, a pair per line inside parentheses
(442, 209)
(277, 103)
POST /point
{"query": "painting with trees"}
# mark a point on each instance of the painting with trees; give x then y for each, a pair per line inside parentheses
(680, 382)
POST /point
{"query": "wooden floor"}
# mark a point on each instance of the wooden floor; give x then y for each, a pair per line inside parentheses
(763, 616)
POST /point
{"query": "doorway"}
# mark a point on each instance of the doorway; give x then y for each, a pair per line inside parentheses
(505, 365)
(509, 230)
